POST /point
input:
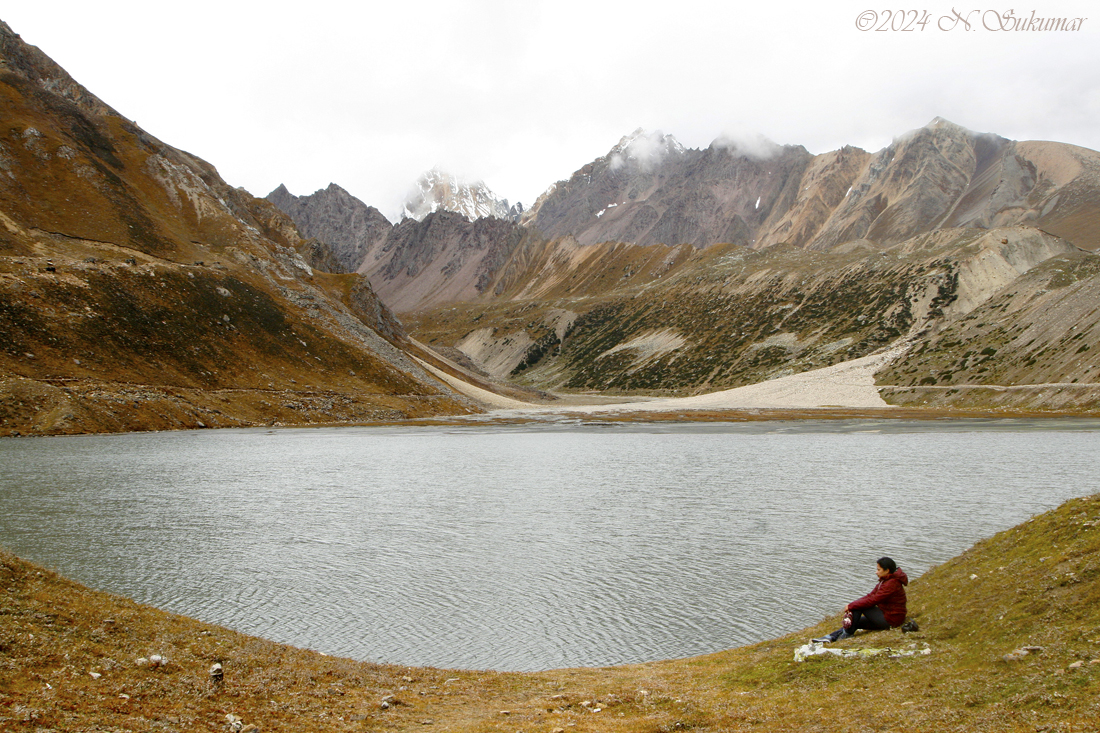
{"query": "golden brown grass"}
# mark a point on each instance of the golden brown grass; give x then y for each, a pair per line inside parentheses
(1035, 585)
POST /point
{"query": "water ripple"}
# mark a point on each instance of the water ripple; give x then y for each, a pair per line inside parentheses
(531, 547)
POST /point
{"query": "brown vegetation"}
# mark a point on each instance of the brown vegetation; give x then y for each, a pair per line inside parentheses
(139, 291)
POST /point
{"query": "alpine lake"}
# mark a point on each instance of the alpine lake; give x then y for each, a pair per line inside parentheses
(527, 547)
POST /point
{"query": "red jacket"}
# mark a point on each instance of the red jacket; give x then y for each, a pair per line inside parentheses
(889, 595)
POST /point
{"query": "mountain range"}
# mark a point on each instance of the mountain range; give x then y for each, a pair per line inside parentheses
(139, 290)
(648, 189)
(662, 269)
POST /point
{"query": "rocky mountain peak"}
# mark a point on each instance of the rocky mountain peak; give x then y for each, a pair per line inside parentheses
(943, 130)
(650, 189)
(644, 149)
(438, 190)
(754, 146)
(942, 122)
(345, 224)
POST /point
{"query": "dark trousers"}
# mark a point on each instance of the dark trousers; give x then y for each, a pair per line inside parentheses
(872, 619)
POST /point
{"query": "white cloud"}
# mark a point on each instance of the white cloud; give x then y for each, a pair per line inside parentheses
(642, 149)
(749, 144)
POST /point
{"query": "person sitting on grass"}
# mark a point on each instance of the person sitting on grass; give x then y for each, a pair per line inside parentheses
(882, 608)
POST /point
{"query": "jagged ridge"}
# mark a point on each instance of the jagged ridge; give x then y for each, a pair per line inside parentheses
(649, 189)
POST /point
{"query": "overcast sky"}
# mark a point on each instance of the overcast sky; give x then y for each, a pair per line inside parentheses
(521, 94)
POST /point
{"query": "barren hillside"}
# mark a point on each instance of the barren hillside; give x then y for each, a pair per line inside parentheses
(976, 308)
(140, 291)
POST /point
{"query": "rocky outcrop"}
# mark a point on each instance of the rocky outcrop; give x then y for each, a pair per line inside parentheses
(348, 227)
(1031, 343)
(37, 69)
(446, 257)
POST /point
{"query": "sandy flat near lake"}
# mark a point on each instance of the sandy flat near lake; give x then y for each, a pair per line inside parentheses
(848, 384)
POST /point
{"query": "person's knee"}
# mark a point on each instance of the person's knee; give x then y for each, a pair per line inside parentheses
(877, 617)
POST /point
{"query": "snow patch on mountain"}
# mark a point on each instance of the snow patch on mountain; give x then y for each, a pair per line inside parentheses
(438, 190)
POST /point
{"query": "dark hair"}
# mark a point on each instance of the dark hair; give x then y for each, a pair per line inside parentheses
(887, 564)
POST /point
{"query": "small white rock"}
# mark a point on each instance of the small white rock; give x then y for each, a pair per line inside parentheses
(95, 675)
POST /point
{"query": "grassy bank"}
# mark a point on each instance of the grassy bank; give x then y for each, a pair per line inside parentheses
(69, 662)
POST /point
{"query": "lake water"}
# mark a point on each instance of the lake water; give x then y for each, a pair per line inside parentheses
(527, 547)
